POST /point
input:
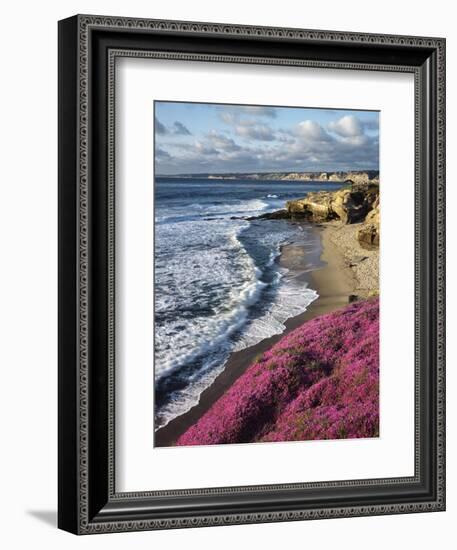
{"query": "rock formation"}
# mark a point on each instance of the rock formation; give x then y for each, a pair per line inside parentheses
(357, 203)
(369, 233)
(276, 215)
(350, 204)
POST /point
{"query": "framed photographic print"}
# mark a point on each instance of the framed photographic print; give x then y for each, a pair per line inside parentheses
(251, 274)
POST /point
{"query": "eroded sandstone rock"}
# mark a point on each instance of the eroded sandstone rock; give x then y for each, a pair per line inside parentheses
(350, 204)
(369, 234)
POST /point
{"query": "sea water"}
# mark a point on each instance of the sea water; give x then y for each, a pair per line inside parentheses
(218, 284)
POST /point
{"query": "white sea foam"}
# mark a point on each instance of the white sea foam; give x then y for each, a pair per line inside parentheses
(189, 396)
(290, 300)
(197, 259)
(206, 286)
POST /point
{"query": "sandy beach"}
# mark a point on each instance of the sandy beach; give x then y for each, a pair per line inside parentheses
(347, 270)
(361, 260)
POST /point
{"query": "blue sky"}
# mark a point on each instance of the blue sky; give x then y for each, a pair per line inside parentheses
(215, 138)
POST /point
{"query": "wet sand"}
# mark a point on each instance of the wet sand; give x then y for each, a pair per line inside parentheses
(334, 282)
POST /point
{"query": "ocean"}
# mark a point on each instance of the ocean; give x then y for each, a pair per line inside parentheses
(218, 285)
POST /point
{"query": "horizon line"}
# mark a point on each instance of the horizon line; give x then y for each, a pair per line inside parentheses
(268, 172)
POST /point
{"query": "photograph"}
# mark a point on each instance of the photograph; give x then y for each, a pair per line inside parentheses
(266, 273)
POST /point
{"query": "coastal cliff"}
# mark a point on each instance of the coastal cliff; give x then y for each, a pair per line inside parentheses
(350, 204)
(353, 176)
(350, 218)
(353, 204)
(356, 177)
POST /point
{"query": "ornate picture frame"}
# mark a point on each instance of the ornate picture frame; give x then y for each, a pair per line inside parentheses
(88, 48)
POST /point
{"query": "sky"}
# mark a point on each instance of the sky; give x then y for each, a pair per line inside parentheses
(192, 138)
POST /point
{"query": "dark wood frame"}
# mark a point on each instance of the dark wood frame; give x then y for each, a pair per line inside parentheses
(88, 46)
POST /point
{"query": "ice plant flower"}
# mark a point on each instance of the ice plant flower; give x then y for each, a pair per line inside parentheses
(320, 381)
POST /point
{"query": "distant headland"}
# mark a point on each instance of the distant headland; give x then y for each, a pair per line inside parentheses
(355, 176)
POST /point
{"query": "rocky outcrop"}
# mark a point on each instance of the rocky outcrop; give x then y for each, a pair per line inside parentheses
(368, 234)
(362, 178)
(315, 207)
(351, 207)
(350, 204)
(353, 204)
(276, 215)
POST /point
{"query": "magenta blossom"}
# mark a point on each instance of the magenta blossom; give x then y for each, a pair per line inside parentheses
(320, 381)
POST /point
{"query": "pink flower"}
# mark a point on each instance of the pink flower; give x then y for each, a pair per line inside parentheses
(318, 382)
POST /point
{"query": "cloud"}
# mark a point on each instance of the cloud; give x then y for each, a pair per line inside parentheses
(284, 136)
(219, 153)
(159, 127)
(161, 154)
(312, 131)
(261, 132)
(356, 141)
(351, 130)
(248, 143)
(222, 142)
(251, 127)
(205, 149)
(180, 130)
(347, 126)
(243, 117)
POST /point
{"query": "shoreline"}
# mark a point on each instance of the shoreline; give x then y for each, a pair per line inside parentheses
(334, 282)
